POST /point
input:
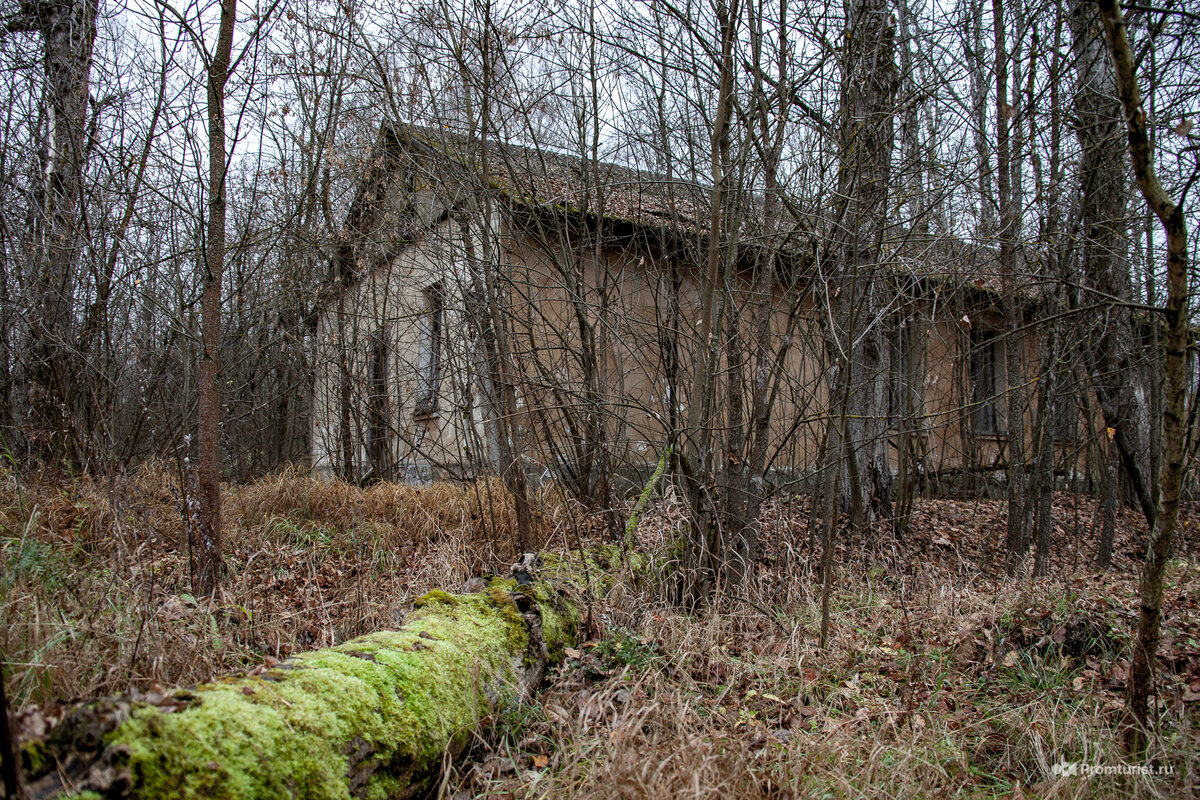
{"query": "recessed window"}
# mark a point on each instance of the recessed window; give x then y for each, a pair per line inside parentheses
(984, 388)
(899, 397)
(429, 351)
(1064, 418)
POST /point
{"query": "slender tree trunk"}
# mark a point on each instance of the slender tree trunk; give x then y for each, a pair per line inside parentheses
(484, 302)
(767, 361)
(911, 330)
(977, 58)
(1041, 484)
(1108, 501)
(10, 773)
(207, 551)
(1171, 216)
(834, 452)
(1017, 537)
(703, 558)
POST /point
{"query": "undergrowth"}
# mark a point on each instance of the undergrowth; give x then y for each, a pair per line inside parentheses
(942, 678)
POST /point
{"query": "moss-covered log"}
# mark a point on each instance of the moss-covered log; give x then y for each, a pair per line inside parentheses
(372, 718)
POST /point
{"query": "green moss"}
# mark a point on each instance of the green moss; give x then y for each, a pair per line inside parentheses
(384, 787)
(599, 563)
(402, 696)
(35, 760)
(435, 597)
(498, 591)
(559, 617)
(398, 699)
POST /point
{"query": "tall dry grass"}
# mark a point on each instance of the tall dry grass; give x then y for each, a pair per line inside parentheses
(95, 591)
(940, 679)
(742, 702)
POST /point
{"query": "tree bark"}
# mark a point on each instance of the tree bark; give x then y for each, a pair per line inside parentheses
(375, 716)
(865, 142)
(1171, 216)
(1017, 536)
(206, 552)
(703, 556)
(1055, 362)
(1102, 220)
(10, 777)
(68, 30)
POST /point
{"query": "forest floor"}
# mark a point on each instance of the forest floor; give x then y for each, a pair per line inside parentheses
(941, 676)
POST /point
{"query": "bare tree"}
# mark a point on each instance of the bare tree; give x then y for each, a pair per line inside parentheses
(1171, 216)
(1017, 537)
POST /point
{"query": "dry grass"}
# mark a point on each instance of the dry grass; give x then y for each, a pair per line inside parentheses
(941, 679)
(94, 588)
(910, 699)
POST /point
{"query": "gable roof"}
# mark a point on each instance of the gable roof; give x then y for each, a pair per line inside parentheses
(543, 180)
(562, 187)
(552, 186)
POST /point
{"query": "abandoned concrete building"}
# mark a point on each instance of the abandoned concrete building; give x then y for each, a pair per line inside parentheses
(579, 278)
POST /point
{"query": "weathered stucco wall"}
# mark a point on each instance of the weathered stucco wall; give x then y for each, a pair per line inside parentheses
(637, 302)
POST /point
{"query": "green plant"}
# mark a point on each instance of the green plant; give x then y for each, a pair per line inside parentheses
(622, 647)
(1030, 670)
(300, 534)
(28, 558)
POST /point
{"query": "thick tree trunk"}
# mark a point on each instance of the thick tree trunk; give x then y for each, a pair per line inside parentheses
(373, 717)
(865, 141)
(1170, 215)
(68, 29)
(1102, 221)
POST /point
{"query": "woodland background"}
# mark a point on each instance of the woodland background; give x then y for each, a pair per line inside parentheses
(174, 183)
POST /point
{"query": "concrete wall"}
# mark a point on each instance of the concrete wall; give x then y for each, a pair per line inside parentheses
(623, 292)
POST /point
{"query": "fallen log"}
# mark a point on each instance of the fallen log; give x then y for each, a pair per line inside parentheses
(373, 718)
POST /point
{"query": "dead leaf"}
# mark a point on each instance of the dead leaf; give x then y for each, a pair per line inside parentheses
(1184, 127)
(540, 762)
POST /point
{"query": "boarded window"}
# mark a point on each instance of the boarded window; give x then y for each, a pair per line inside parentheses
(1064, 418)
(899, 399)
(983, 382)
(429, 351)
